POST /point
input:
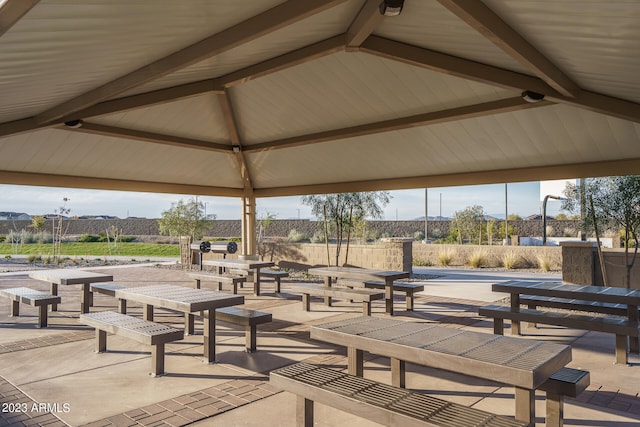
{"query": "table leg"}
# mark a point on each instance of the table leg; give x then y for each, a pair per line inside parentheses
(634, 346)
(189, 324)
(355, 361)
(256, 282)
(210, 336)
(388, 290)
(515, 324)
(54, 291)
(86, 298)
(525, 405)
(147, 312)
(398, 372)
(327, 284)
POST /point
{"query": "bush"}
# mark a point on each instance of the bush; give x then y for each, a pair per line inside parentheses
(318, 237)
(422, 262)
(544, 263)
(418, 235)
(510, 260)
(88, 238)
(445, 257)
(34, 258)
(296, 236)
(478, 258)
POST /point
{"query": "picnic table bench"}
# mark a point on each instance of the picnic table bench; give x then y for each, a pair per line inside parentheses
(366, 296)
(381, 403)
(144, 331)
(524, 364)
(277, 276)
(220, 278)
(362, 274)
(32, 297)
(409, 289)
(621, 322)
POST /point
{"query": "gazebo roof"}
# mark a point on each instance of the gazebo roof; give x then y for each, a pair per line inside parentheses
(273, 98)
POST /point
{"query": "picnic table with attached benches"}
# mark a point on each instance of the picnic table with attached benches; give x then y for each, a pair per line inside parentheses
(71, 276)
(362, 274)
(522, 363)
(243, 265)
(220, 278)
(186, 300)
(619, 304)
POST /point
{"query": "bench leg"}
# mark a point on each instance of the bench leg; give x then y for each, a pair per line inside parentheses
(355, 361)
(250, 338)
(219, 286)
(86, 299)
(398, 372)
(122, 306)
(209, 326)
(366, 308)
(515, 327)
(54, 291)
(498, 326)
(277, 282)
(304, 412)
(621, 349)
(157, 359)
(15, 309)
(555, 410)
(101, 341)
(147, 312)
(235, 288)
(189, 324)
(256, 282)
(42, 316)
(409, 301)
(525, 405)
(306, 302)
(197, 283)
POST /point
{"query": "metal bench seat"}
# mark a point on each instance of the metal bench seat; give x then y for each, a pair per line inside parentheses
(381, 403)
(247, 318)
(143, 331)
(231, 279)
(533, 301)
(408, 288)
(110, 290)
(32, 297)
(277, 275)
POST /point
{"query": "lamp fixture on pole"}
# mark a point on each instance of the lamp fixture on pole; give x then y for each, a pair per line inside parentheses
(391, 7)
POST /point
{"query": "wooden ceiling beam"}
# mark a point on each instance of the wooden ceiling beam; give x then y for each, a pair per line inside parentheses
(232, 127)
(364, 23)
(482, 19)
(276, 18)
(476, 71)
(552, 172)
(11, 11)
(95, 183)
(156, 138)
(426, 119)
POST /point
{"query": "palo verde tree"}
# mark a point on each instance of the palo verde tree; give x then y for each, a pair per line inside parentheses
(467, 224)
(611, 203)
(342, 211)
(185, 219)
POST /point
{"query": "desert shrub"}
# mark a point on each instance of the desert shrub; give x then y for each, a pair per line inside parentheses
(34, 258)
(296, 236)
(544, 262)
(478, 258)
(318, 237)
(445, 257)
(3, 238)
(88, 238)
(418, 235)
(510, 260)
(418, 262)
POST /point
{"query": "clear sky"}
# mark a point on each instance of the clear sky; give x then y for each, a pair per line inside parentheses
(523, 199)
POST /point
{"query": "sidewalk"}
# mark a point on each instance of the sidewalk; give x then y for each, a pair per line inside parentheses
(56, 368)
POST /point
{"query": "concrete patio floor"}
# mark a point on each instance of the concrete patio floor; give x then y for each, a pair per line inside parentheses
(54, 374)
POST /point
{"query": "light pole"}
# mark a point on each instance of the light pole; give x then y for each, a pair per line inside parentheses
(544, 216)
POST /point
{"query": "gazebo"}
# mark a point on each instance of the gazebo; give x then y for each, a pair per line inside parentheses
(261, 98)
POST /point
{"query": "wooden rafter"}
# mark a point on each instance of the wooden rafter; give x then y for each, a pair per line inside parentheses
(11, 12)
(477, 15)
(285, 14)
(53, 180)
(229, 118)
(431, 118)
(137, 135)
(476, 71)
(364, 24)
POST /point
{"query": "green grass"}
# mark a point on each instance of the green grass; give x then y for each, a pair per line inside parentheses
(96, 249)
